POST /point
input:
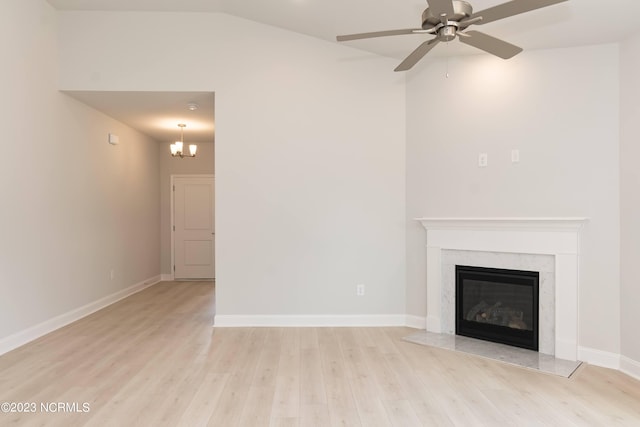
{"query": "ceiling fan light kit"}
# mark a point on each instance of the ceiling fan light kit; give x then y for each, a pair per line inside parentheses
(448, 19)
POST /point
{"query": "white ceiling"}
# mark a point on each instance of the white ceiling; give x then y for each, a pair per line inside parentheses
(157, 114)
(572, 23)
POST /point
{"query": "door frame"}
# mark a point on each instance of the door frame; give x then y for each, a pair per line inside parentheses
(172, 224)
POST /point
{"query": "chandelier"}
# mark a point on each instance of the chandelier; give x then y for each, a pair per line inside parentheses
(177, 147)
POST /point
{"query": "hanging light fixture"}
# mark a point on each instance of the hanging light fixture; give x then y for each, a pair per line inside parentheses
(176, 147)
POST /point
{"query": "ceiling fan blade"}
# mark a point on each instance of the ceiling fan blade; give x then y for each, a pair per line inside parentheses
(417, 55)
(490, 44)
(467, 22)
(511, 8)
(439, 7)
(378, 34)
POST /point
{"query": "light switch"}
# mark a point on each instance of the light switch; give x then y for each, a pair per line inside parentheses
(515, 156)
(113, 139)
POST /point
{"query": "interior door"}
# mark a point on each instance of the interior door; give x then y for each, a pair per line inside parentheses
(194, 227)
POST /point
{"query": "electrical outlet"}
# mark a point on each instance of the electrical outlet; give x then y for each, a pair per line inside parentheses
(483, 160)
(360, 290)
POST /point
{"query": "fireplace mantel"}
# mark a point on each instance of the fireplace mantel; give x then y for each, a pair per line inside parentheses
(505, 223)
(557, 236)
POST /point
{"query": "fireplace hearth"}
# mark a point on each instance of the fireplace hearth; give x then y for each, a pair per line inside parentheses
(498, 305)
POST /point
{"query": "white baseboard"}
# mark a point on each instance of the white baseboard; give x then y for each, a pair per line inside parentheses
(23, 337)
(166, 277)
(600, 358)
(309, 320)
(630, 367)
(415, 322)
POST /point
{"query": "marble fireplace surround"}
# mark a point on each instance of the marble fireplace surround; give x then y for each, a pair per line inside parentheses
(558, 237)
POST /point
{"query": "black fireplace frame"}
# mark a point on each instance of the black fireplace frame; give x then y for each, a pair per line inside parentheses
(496, 333)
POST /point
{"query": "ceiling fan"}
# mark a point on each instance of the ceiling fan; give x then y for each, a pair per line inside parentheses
(448, 19)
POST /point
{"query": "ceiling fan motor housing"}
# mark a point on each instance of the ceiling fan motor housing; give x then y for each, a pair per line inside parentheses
(461, 10)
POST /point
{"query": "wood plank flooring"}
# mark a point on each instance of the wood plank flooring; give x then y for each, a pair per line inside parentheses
(153, 359)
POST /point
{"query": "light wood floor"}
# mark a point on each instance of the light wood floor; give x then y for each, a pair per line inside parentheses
(154, 359)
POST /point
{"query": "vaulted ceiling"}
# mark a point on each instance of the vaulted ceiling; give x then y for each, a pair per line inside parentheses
(568, 24)
(572, 23)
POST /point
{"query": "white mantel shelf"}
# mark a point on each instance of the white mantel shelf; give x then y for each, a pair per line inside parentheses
(502, 223)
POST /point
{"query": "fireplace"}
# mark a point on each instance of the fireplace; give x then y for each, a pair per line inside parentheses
(497, 305)
(525, 239)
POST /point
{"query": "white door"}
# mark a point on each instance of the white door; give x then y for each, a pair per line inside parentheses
(194, 227)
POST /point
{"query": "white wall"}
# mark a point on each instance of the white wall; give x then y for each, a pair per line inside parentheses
(309, 152)
(73, 206)
(560, 108)
(630, 197)
(201, 164)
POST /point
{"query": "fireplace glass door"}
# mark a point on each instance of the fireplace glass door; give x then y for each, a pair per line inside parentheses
(498, 305)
